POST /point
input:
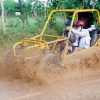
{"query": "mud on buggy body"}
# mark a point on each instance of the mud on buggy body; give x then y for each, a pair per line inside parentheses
(21, 48)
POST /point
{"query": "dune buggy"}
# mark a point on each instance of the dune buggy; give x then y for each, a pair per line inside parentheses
(50, 42)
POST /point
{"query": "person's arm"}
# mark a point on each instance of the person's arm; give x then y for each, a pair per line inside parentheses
(80, 33)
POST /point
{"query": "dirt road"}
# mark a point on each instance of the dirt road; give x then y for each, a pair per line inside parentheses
(78, 78)
(87, 88)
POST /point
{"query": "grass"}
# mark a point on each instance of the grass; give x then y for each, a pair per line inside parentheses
(15, 31)
(33, 26)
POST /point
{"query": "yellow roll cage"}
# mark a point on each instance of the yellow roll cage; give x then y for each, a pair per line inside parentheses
(38, 40)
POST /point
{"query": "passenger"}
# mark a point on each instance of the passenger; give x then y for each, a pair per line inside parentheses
(82, 35)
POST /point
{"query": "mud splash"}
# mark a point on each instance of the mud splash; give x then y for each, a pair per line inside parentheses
(50, 68)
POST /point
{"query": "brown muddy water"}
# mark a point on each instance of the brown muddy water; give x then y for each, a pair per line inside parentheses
(77, 77)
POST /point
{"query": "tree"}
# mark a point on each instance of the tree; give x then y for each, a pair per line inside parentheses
(46, 9)
(39, 8)
(2, 16)
(10, 7)
(25, 8)
(73, 4)
(66, 4)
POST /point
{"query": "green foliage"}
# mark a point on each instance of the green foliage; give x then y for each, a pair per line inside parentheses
(0, 10)
(66, 4)
(98, 5)
(74, 4)
(39, 8)
(15, 32)
(59, 26)
(10, 7)
(33, 16)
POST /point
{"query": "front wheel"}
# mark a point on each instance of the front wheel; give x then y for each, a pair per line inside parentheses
(60, 46)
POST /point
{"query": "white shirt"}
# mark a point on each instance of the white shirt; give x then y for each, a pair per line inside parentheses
(85, 37)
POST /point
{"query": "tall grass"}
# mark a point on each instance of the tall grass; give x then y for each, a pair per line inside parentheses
(33, 26)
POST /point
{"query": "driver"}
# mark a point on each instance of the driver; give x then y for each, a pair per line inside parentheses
(65, 34)
(82, 35)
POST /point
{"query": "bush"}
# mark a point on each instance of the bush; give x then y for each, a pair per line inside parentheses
(34, 26)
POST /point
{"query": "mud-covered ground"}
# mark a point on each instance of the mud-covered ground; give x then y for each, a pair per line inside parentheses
(87, 88)
(76, 77)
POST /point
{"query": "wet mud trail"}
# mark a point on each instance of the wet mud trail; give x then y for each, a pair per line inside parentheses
(87, 88)
(77, 77)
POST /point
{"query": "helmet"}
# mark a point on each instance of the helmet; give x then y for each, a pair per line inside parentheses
(80, 23)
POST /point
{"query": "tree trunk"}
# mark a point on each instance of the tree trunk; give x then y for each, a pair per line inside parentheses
(2, 16)
(22, 14)
(46, 9)
(35, 13)
(94, 3)
(20, 6)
